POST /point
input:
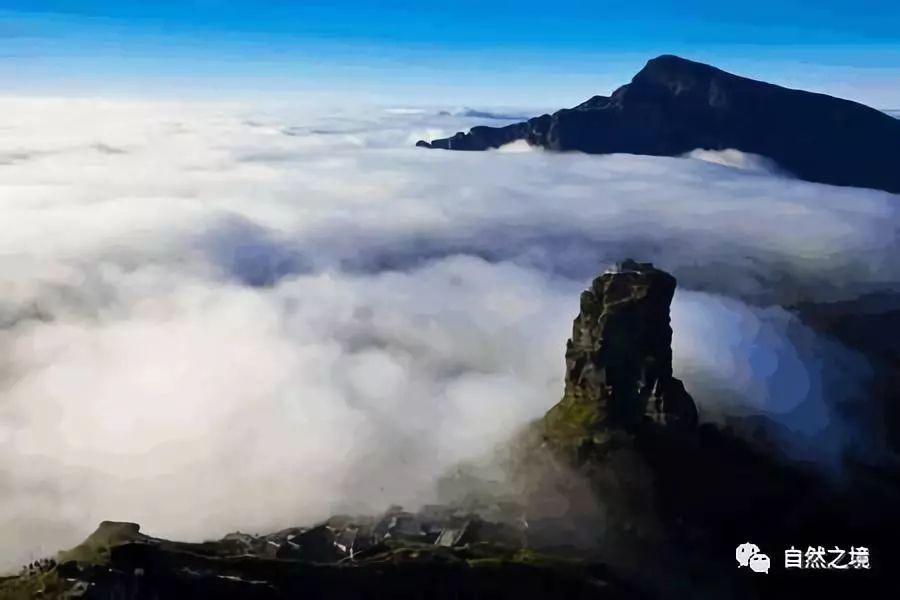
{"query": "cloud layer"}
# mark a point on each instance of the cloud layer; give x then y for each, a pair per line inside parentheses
(230, 317)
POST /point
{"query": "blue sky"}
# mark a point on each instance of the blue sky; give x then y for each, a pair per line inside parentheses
(525, 52)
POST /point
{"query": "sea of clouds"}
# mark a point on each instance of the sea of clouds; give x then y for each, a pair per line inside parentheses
(220, 317)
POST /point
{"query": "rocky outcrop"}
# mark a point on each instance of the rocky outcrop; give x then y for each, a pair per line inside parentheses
(619, 361)
(673, 106)
(620, 394)
(677, 496)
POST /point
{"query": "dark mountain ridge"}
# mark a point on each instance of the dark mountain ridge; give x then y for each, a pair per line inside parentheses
(673, 106)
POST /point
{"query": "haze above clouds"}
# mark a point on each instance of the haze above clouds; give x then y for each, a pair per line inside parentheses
(220, 317)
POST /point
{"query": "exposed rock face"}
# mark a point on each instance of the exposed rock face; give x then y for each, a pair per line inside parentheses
(619, 390)
(677, 497)
(619, 358)
(673, 106)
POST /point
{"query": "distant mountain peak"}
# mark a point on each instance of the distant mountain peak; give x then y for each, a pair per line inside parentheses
(668, 66)
(674, 106)
(672, 61)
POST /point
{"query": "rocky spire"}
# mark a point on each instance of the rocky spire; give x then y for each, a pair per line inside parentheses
(619, 361)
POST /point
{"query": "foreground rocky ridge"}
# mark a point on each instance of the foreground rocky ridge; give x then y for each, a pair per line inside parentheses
(438, 552)
(673, 106)
(653, 504)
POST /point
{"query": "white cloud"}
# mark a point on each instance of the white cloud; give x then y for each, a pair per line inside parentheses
(518, 146)
(222, 317)
(737, 159)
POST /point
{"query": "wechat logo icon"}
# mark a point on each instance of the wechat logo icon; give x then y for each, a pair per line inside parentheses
(749, 555)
